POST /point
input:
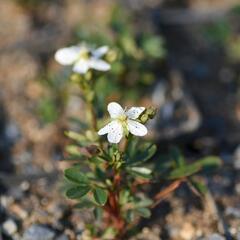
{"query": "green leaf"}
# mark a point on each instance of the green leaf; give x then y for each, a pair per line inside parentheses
(144, 212)
(73, 150)
(48, 110)
(209, 162)
(153, 46)
(145, 152)
(124, 196)
(78, 122)
(141, 172)
(109, 233)
(176, 155)
(198, 186)
(76, 136)
(188, 170)
(184, 171)
(143, 203)
(130, 215)
(84, 204)
(100, 174)
(132, 146)
(74, 175)
(100, 196)
(98, 212)
(77, 192)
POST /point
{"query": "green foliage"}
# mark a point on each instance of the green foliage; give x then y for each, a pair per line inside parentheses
(100, 196)
(144, 152)
(135, 57)
(76, 176)
(51, 106)
(48, 110)
(77, 192)
(114, 180)
(218, 32)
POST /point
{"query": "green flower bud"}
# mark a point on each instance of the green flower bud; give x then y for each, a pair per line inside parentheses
(88, 75)
(91, 135)
(76, 78)
(90, 95)
(149, 113)
(144, 118)
(111, 56)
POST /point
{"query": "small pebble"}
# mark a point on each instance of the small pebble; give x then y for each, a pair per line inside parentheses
(215, 236)
(38, 232)
(234, 212)
(19, 211)
(236, 158)
(238, 236)
(237, 188)
(187, 232)
(62, 237)
(9, 227)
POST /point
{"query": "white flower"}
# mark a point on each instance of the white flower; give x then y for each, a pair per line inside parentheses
(123, 119)
(83, 58)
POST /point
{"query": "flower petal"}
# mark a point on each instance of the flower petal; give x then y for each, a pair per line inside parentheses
(106, 128)
(136, 128)
(81, 66)
(67, 56)
(134, 112)
(116, 132)
(99, 64)
(115, 110)
(99, 52)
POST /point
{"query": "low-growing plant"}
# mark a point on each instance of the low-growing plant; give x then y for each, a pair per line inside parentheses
(113, 176)
(138, 52)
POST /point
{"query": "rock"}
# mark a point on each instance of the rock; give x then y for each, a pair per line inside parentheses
(234, 212)
(215, 236)
(237, 188)
(19, 211)
(187, 232)
(9, 227)
(238, 236)
(236, 158)
(38, 232)
(177, 112)
(62, 237)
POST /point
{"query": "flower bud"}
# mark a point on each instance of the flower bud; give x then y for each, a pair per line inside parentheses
(111, 56)
(76, 78)
(91, 135)
(88, 75)
(144, 118)
(90, 95)
(149, 113)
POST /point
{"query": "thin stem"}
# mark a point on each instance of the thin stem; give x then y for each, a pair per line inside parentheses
(163, 194)
(93, 117)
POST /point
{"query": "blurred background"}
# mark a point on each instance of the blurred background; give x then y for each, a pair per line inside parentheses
(182, 56)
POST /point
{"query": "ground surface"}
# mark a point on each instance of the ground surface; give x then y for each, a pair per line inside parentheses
(205, 121)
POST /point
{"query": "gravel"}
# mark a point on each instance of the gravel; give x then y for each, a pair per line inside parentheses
(38, 232)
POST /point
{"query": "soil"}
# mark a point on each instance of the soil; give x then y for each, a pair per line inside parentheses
(204, 120)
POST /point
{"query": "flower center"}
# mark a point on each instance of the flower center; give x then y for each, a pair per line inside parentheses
(84, 54)
(122, 118)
